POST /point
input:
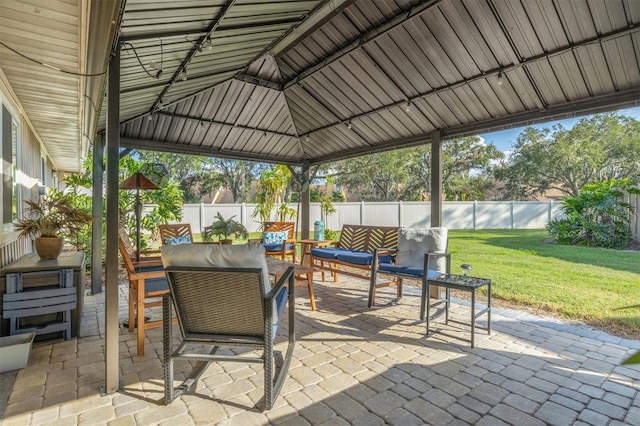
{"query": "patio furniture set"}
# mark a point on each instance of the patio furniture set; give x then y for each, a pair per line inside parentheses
(235, 295)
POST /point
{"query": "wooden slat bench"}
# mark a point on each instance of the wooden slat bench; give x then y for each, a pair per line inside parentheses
(354, 252)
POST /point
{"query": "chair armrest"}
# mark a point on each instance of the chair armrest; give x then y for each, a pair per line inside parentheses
(286, 277)
(446, 255)
(147, 275)
(254, 240)
(381, 250)
(148, 252)
(151, 261)
(385, 250)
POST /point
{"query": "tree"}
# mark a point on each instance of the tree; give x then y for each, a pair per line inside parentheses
(236, 176)
(597, 148)
(272, 187)
(380, 177)
(406, 174)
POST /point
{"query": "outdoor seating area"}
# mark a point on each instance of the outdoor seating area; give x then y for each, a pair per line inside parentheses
(266, 304)
(351, 365)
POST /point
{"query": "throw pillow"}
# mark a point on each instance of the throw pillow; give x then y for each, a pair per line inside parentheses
(274, 237)
(176, 241)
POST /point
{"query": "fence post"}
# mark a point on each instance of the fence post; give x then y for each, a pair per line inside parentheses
(512, 205)
(243, 215)
(201, 218)
(550, 208)
(361, 212)
(400, 213)
(475, 204)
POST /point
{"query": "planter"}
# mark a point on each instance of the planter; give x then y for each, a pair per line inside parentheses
(48, 248)
(15, 351)
(226, 242)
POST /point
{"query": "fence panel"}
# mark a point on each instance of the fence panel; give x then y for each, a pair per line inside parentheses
(459, 215)
(530, 215)
(380, 214)
(493, 215)
(415, 214)
(455, 214)
(346, 213)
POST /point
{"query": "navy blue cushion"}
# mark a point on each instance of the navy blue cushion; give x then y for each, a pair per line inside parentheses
(355, 257)
(407, 270)
(155, 284)
(149, 268)
(281, 302)
(276, 247)
(327, 252)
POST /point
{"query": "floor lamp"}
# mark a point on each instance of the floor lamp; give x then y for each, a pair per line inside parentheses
(137, 181)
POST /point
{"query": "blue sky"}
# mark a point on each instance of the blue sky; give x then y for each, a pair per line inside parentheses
(504, 139)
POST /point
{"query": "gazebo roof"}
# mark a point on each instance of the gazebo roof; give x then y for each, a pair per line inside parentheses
(315, 81)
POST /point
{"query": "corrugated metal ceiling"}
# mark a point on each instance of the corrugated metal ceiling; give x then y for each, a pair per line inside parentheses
(313, 81)
(386, 74)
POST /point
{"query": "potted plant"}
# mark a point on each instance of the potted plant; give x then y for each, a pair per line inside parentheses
(223, 229)
(50, 220)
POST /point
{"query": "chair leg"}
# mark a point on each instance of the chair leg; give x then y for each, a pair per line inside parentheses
(132, 306)
(167, 359)
(268, 372)
(372, 288)
(399, 288)
(140, 317)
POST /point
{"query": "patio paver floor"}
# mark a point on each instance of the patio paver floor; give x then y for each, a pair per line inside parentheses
(352, 365)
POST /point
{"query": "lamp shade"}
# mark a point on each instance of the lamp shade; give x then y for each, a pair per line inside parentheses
(137, 181)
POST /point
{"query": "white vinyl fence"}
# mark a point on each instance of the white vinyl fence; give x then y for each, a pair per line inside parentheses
(455, 214)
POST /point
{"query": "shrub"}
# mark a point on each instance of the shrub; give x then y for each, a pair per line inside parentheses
(597, 217)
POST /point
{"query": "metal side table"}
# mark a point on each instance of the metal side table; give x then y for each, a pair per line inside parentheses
(464, 283)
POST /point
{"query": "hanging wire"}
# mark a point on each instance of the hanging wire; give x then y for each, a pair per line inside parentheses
(50, 66)
(140, 61)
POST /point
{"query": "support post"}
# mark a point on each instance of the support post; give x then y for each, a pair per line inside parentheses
(436, 179)
(305, 198)
(111, 255)
(96, 213)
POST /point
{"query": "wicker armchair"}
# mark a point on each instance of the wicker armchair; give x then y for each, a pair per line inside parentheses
(223, 298)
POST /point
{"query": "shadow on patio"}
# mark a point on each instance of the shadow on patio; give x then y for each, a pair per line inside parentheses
(352, 365)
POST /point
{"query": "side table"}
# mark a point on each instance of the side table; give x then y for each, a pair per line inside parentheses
(301, 273)
(44, 275)
(464, 283)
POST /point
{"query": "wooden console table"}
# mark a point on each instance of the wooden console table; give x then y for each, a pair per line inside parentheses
(48, 276)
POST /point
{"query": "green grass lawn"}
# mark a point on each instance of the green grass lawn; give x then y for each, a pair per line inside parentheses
(598, 286)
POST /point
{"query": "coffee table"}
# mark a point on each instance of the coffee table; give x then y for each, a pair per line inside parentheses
(464, 283)
(301, 273)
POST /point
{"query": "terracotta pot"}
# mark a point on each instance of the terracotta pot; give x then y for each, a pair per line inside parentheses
(49, 248)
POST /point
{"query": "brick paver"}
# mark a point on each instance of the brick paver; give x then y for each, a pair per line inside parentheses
(352, 366)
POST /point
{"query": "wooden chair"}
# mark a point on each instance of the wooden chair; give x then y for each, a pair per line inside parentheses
(147, 280)
(223, 298)
(175, 230)
(286, 247)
